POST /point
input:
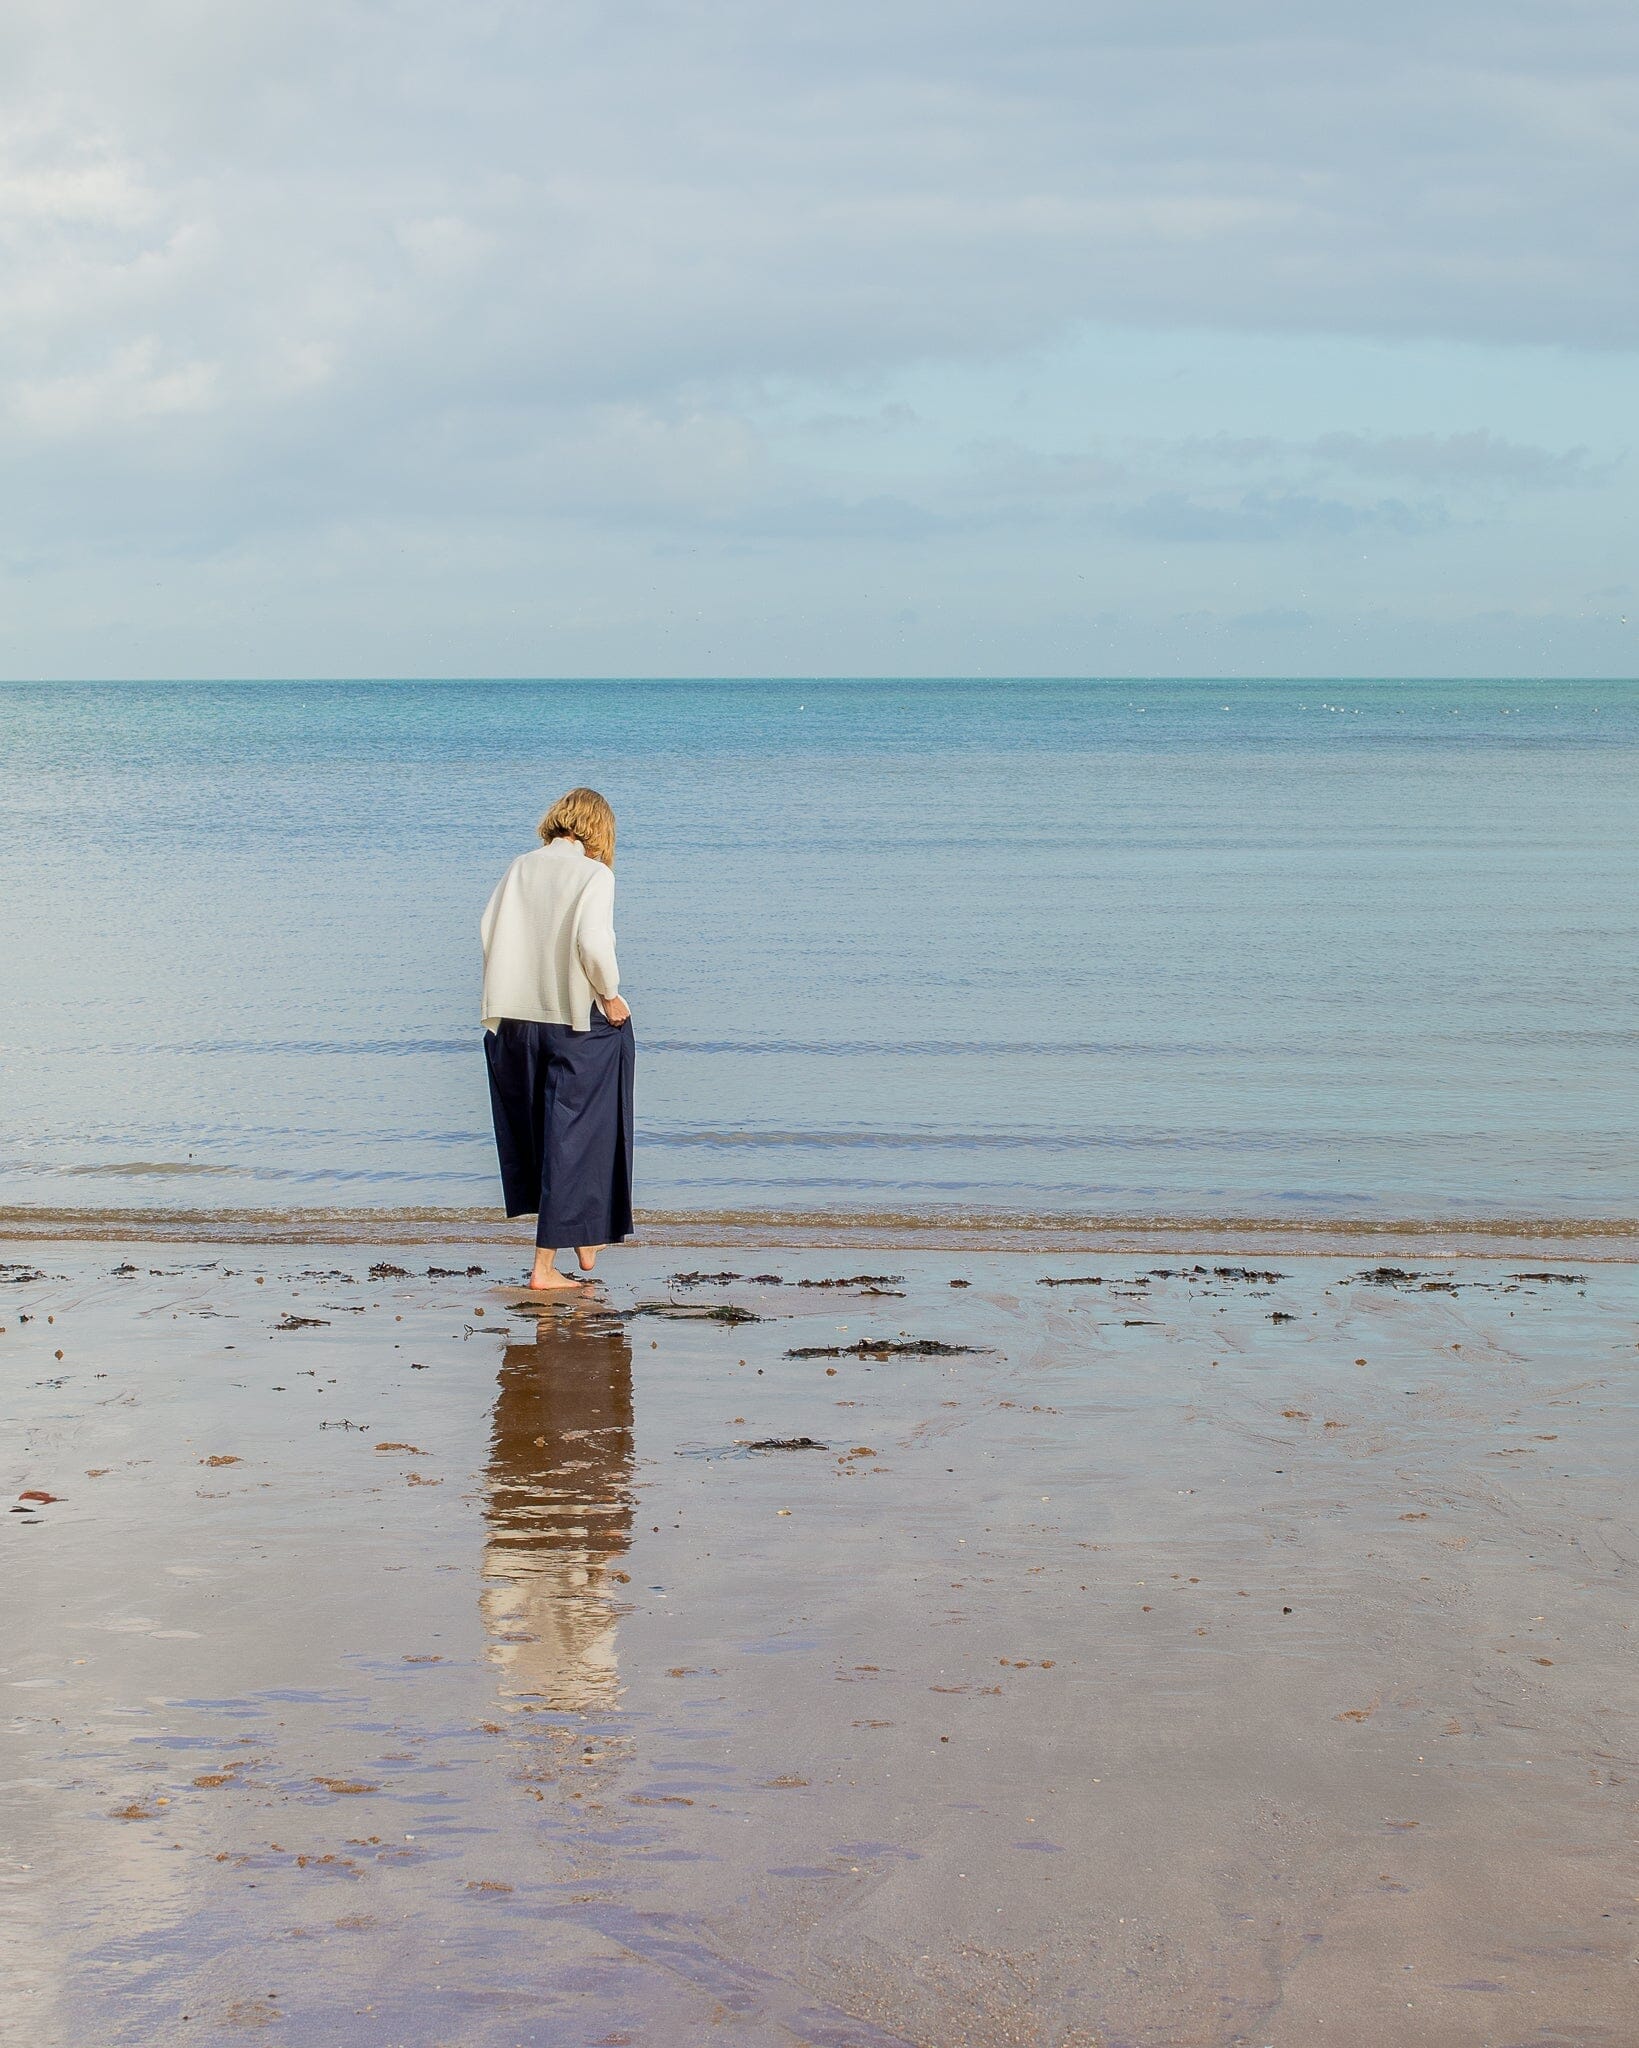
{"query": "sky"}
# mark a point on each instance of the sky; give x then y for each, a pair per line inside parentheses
(399, 337)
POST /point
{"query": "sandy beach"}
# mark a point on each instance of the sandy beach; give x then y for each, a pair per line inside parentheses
(1113, 1651)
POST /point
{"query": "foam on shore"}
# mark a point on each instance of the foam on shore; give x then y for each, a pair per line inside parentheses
(950, 1228)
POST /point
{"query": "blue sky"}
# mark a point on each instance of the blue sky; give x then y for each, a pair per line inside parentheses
(399, 338)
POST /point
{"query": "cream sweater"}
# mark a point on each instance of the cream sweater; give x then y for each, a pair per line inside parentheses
(549, 938)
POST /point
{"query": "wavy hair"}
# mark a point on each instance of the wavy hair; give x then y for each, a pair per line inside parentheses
(586, 816)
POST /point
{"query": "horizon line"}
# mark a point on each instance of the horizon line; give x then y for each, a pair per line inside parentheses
(792, 679)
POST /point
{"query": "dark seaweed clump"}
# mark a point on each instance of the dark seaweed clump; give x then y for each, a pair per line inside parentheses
(1387, 1276)
(1564, 1279)
(17, 1276)
(449, 1272)
(689, 1312)
(880, 1347)
(724, 1279)
(859, 1280)
(1244, 1273)
(786, 1443)
(1074, 1280)
(387, 1272)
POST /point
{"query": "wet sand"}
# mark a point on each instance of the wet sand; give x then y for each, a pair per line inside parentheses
(1218, 1657)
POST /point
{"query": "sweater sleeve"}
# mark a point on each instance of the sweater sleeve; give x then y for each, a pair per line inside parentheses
(486, 924)
(595, 938)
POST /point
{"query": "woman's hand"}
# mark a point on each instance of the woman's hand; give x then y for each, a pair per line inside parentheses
(615, 1010)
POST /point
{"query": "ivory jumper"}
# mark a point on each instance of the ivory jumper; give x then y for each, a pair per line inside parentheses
(549, 938)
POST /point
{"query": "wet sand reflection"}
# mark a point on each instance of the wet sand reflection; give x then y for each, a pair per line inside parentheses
(559, 1510)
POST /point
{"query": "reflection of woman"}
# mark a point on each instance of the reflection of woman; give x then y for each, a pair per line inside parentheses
(559, 1509)
(558, 1039)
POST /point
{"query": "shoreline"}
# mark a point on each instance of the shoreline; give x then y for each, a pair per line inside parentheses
(1603, 1240)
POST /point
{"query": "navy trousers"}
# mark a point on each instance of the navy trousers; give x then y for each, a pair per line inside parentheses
(562, 1103)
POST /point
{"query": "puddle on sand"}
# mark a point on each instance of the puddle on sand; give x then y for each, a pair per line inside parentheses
(391, 1679)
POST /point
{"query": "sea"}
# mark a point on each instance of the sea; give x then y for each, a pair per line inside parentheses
(1285, 950)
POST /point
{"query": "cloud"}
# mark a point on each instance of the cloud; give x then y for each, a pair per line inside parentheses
(574, 201)
(293, 269)
(1263, 516)
(1173, 490)
(883, 420)
(880, 517)
(129, 387)
(1476, 457)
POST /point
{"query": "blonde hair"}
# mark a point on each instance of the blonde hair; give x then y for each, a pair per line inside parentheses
(586, 816)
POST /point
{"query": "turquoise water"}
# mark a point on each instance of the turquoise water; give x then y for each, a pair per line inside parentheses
(1295, 949)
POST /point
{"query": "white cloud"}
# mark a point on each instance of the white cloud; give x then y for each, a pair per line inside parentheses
(102, 193)
(282, 265)
(133, 387)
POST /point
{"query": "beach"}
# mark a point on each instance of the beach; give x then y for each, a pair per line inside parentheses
(956, 689)
(793, 1644)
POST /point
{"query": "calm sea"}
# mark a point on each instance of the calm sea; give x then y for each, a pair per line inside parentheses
(1294, 949)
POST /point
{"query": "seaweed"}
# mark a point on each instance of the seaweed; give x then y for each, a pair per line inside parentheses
(859, 1280)
(883, 1347)
(688, 1312)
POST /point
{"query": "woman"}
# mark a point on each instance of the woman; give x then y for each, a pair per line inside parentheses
(558, 1040)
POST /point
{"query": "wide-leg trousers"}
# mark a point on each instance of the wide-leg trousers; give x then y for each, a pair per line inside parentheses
(562, 1104)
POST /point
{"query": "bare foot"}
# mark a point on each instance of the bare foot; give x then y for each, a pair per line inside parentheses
(545, 1278)
(588, 1256)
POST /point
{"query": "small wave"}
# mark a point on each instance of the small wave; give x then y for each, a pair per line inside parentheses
(1353, 1045)
(1607, 1238)
(153, 1169)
